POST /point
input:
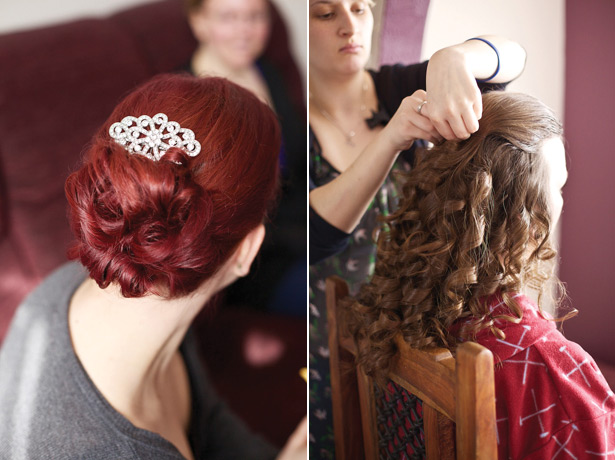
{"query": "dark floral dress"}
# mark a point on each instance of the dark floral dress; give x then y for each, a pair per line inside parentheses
(355, 264)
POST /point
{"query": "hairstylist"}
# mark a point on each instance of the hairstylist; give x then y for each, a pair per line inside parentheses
(362, 126)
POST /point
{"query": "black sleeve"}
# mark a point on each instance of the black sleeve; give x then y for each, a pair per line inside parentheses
(325, 239)
(394, 82)
(291, 123)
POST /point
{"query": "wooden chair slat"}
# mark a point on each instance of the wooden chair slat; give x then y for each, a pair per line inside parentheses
(458, 395)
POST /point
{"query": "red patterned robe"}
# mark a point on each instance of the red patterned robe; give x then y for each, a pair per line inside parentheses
(552, 401)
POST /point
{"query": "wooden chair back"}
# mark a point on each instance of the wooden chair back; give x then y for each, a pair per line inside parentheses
(457, 394)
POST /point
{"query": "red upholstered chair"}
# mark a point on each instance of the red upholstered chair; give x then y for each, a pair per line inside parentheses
(434, 406)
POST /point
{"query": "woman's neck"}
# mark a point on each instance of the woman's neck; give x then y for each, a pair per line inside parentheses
(207, 63)
(129, 348)
(341, 95)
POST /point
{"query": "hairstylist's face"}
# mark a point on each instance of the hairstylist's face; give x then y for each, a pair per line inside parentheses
(340, 35)
(555, 156)
(236, 31)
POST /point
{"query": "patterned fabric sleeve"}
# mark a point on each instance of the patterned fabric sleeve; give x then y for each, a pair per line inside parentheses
(552, 400)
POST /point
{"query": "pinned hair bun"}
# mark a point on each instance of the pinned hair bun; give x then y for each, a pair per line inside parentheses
(164, 227)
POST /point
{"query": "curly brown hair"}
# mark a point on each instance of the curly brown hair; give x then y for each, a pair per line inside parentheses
(473, 220)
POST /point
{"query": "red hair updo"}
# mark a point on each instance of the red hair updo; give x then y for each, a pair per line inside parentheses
(164, 227)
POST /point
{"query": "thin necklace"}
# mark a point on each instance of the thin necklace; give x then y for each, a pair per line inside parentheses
(348, 135)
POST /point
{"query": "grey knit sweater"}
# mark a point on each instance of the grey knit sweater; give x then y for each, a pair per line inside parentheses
(50, 409)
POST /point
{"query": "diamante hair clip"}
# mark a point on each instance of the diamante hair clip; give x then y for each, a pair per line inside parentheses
(153, 136)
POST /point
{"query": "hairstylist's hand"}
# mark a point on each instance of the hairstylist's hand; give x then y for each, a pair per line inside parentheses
(296, 446)
(408, 124)
(454, 100)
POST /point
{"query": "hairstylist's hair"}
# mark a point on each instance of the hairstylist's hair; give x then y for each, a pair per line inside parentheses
(161, 227)
(467, 215)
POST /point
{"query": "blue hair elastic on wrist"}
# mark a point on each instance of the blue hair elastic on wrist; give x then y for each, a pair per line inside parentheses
(497, 69)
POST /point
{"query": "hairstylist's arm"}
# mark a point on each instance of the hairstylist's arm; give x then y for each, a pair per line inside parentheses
(343, 201)
(454, 101)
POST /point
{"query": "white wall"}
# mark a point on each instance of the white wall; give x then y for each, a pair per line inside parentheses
(539, 26)
(26, 14)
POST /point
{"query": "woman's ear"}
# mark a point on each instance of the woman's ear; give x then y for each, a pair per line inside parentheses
(247, 250)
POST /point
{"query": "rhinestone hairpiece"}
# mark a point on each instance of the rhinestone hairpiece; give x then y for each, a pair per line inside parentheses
(153, 136)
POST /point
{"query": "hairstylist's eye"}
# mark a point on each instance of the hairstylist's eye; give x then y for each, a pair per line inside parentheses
(324, 13)
(359, 8)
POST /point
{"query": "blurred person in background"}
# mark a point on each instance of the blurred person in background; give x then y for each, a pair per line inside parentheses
(232, 37)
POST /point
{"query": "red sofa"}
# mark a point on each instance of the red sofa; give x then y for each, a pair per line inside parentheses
(57, 86)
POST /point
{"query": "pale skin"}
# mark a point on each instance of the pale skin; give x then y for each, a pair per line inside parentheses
(557, 175)
(232, 34)
(130, 349)
(340, 36)
(555, 155)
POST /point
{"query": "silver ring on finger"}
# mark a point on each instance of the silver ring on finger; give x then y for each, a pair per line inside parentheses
(420, 107)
